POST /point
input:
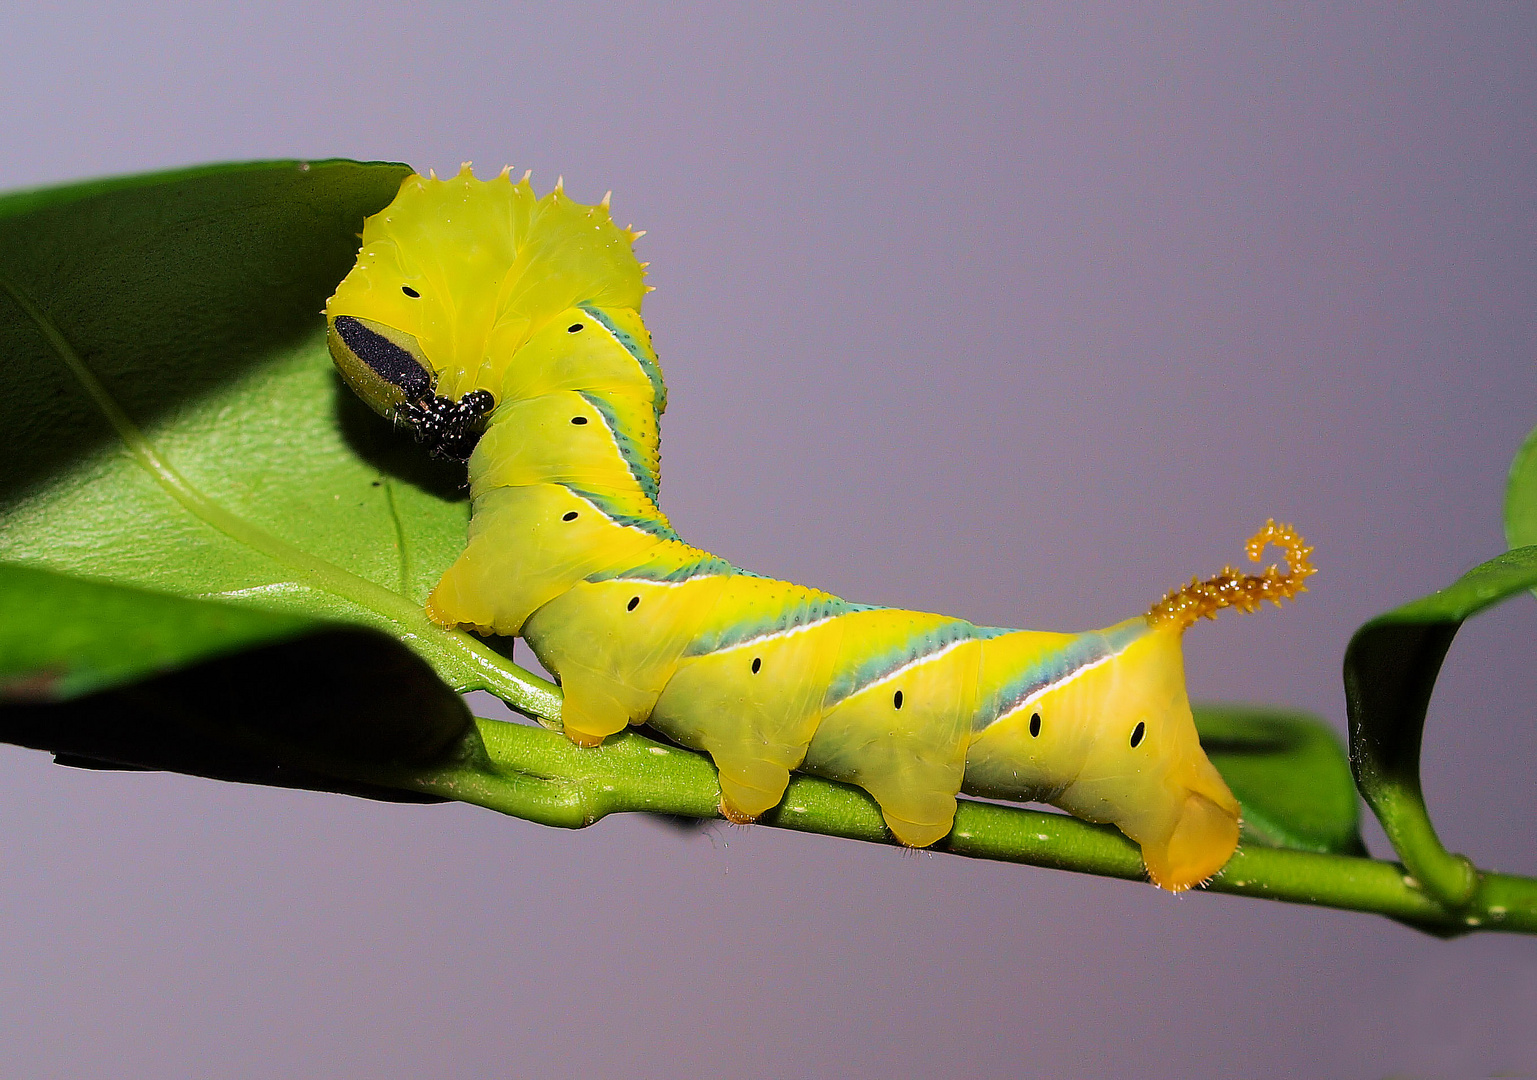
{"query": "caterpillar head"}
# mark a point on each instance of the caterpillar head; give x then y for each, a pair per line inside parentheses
(387, 369)
(452, 278)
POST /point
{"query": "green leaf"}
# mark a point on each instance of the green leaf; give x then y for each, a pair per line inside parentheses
(1290, 774)
(110, 676)
(174, 421)
(1521, 496)
(1390, 671)
(63, 638)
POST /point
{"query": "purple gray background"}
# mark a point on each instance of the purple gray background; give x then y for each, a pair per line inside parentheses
(1023, 317)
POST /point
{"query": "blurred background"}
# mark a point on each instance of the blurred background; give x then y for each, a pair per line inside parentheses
(1020, 315)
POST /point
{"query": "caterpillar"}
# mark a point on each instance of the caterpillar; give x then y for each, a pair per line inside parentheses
(504, 330)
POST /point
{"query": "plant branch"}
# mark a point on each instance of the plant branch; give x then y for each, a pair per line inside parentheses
(540, 776)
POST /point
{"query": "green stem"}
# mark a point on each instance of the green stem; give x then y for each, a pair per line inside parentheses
(1401, 810)
(467, 663)
(540, 776)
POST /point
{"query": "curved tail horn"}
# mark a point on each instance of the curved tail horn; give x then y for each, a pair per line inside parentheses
(1246, 592)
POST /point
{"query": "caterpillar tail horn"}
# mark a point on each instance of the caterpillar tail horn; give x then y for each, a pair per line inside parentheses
(1190, 836)
(1184, 606)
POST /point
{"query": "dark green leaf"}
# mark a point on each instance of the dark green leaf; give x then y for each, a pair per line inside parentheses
(107, 675)
(174, 424)
(1289, 772)
(1390, 671)
(1521, 496)
(62, 638)
(192, 300)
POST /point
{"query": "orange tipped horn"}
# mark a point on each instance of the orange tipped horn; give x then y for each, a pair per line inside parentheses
(1246, 592)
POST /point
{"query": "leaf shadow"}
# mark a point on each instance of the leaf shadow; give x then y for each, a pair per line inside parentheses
(391, 450)
(169, 288)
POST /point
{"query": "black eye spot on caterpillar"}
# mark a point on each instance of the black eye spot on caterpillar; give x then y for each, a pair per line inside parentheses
(389, 370)
(896, 700)
(412, 293)
(574, 328)
(384, 358)
(569, 515)
(633, 604)
(757, 664)
(579, 420)
(1137, 733)
(1035, 725)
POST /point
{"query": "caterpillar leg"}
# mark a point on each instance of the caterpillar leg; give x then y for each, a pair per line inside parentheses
(753, 708)
(915, 785)
(729, 811)
(903, 739)
(597, 706)
(1204, 836)
(939, 815)
(615, 644)
(1186, 823)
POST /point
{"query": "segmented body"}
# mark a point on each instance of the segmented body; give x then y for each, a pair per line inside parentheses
(466, 288)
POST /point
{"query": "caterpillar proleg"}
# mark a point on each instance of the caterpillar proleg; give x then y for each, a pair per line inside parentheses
(505, 328)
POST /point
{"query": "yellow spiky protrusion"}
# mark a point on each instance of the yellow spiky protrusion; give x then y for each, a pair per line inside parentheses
(1246, 592)
(608, 198)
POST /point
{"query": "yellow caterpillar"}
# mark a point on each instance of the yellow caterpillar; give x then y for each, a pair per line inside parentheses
(505, 329)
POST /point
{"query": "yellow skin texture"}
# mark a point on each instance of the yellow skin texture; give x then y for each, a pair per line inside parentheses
(537, 300)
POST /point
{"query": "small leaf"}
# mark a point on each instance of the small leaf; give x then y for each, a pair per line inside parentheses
(106, 675)
(1521, 496)
(1390, 671)
(1289, 772)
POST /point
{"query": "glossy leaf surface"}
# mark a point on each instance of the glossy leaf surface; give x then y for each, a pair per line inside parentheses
(1290, 773)
(110, 676)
